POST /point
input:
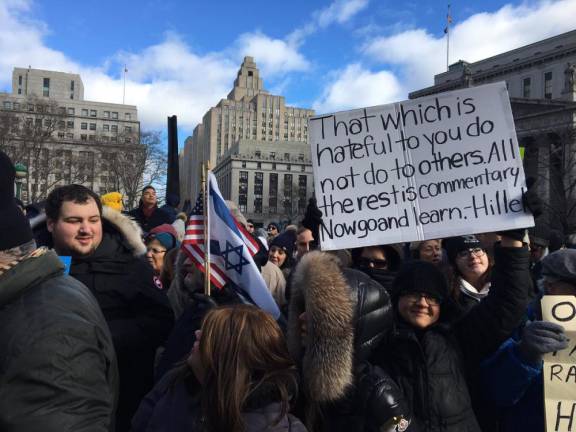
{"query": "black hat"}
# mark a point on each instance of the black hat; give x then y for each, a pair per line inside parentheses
(14, 227)
(285, 241)
(275, 225)
(455, 245)
(560, 265)
(420, 277)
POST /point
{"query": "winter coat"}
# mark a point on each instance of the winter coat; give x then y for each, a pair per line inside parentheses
(158, 217)
(58, 369)
(348, 315)
(174, 406)
(432, 366)
(138, 313)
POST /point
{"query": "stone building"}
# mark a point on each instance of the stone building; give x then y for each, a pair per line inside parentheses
(47, 125)
(249, 118)
(268, 182)
(541, 82)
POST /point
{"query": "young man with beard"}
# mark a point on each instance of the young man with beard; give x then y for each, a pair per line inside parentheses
(57, 364)
(107, 256)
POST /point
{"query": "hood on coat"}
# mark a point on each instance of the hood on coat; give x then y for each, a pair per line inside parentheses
(111, 220)
(320, 289)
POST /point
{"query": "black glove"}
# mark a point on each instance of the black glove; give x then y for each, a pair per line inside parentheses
(539, 338)
(313, 219)
(532, 202)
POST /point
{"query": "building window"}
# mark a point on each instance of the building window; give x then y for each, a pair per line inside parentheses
(114, 128)
(273, 166)
(85, 112)
(302, 184)
(19, 79)
(128, 129)
(46, 87)
(71, 111)
(243, 164)
(258, 165)
(92, 126)
(72, 85)
(16, 106)
(258, 154)
(273, 193)
(114, 115)
(84, 126)
(287, 156)
(92, 113)
(83, 137)
(287, 194)
(548, 85)
(526, 87)
(106, 114)
(128, 116)
(69, 136)
(106, 127)
(272, 155)
(243, 191)
(7, 105)
(70, 125)
(258, 190)
(287, 167)
(91, 137)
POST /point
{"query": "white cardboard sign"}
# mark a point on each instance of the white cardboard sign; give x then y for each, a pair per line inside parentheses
(421, 169)
(559, 369)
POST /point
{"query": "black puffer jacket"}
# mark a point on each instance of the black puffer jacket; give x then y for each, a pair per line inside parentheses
(432, 366)
(137, 312)
(347, 316)
(57, 364)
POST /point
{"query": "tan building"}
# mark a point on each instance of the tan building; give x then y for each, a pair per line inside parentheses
(269, 182)
(46, 124)
(249, 113)
(541, 80)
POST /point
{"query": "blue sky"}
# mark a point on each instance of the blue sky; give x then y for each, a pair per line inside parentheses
(182, 56)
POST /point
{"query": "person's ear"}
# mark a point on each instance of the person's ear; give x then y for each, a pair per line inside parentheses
(50, 225)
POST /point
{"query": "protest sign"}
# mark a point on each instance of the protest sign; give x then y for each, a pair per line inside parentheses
(426, 168)
(559, 370)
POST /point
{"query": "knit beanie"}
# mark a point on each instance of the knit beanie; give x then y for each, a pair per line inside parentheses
(166, 234)
(455, 245)
(560, 265)
(112, 200)
(14, 227)
(420, 277)
(285, 241)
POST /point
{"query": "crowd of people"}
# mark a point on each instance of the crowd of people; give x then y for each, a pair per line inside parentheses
(438, 335)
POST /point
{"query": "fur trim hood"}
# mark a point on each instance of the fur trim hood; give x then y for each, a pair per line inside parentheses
(112, 219)
(348, 315)
(320, 289)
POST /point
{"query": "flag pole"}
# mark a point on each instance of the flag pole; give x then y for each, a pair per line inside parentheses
(124, 86)
(448, 21)
(205, 189)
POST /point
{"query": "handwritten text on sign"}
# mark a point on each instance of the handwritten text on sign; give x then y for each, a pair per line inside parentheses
(426, 168)
(560, 367)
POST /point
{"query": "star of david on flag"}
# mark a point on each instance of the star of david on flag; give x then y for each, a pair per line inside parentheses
(231, 249)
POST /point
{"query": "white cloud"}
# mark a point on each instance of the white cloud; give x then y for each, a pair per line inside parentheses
(340, 11)
(273, 56)
(356, 87)
(420, 55)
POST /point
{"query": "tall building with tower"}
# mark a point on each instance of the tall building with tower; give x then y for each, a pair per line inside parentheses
(257, 148)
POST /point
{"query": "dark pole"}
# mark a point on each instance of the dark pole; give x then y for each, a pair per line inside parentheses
(173, 178)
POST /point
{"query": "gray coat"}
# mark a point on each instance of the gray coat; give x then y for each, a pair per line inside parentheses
(58, 369)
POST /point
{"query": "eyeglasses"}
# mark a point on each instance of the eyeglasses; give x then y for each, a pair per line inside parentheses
(250, 226)
(157, 251)
(415, 297)
(477, 252)
(372, 262)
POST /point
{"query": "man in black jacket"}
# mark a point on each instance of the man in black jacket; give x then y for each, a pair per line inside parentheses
(57, 364)
(106, 250)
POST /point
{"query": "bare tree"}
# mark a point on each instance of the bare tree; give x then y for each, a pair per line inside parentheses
(558, 171)
(140, 162)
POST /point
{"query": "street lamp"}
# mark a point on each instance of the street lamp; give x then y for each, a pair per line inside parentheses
(21, 172)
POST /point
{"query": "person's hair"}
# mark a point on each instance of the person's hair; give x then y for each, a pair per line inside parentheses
(75, 193)
(302, 229)
(169, 268)
(244, 354)
(145, 188)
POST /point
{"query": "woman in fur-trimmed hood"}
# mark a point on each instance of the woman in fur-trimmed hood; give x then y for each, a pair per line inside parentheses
(337, 318)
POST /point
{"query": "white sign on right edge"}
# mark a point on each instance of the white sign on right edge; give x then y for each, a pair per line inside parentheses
(559, 369)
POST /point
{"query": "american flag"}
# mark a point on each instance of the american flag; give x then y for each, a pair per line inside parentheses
(193, 243)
